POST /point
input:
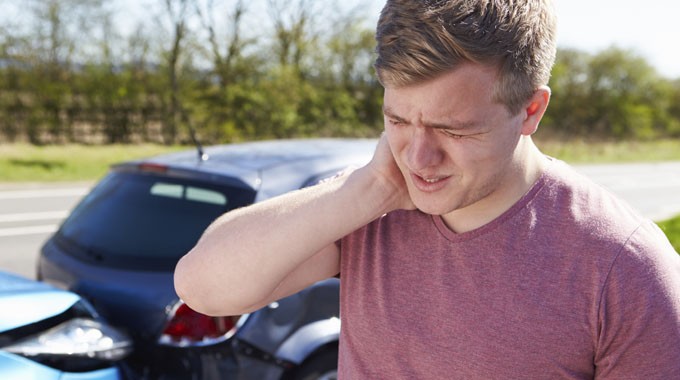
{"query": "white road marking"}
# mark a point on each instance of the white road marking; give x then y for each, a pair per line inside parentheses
(46, 193)
(33, 230)
(33, 216)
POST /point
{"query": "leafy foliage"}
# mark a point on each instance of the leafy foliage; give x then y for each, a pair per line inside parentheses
(71, 75)
(612, 94)
(293, 80)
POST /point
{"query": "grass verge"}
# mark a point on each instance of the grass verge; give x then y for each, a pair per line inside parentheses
(671, 228)
(584, 152)
(29, 163)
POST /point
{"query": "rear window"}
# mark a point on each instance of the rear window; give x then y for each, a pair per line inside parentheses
(145, 221)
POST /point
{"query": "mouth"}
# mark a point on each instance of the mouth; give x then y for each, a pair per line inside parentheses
(429, 183)
(432, 180)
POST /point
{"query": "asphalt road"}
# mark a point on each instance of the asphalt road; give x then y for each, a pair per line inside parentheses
(29, 213)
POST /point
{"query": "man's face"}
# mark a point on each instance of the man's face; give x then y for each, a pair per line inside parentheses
(454, 144)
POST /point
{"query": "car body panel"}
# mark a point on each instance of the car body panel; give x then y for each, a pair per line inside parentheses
(147, 290)
(330, 157)
(284, 317)
(294, 160)
(302, 343)
(26, 305)
(271, 340)
(15, 367)
(23, 301)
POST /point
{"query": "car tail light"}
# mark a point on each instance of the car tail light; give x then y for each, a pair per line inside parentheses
(187, 327)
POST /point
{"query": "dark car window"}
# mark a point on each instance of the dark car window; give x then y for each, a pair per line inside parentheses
(145, 221)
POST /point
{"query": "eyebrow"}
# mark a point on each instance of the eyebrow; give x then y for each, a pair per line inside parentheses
(453, 125)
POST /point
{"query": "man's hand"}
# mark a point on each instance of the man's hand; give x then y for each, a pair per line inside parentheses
(388, 177)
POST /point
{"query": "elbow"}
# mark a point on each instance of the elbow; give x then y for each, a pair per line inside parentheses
(197, 288)
(190, 287)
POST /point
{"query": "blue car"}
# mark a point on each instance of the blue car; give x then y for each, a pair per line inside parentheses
(120, 245)
(48, 333)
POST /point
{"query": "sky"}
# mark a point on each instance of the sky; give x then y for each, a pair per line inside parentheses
(650, 28)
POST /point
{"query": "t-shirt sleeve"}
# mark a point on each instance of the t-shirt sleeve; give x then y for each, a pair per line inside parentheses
(639, 314)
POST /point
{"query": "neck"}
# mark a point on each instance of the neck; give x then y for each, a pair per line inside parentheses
(528, 163)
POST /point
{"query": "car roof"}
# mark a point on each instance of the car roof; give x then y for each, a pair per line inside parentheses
(249, 162)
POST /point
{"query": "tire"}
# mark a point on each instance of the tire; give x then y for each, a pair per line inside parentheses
(322, 365)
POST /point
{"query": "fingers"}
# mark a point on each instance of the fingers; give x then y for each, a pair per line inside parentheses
(387, 171)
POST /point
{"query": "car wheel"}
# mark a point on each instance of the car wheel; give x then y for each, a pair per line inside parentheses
(322, 365)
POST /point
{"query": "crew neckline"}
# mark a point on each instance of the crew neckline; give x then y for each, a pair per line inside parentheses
(445, 231)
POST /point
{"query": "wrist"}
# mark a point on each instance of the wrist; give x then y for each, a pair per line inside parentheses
(374, 193)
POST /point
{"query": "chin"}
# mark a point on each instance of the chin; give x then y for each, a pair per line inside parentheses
(434, 209)
(438, 205)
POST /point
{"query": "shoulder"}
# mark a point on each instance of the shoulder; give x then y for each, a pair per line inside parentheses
(639, 309)
(648, 255)
(576, 219)
(579, 205)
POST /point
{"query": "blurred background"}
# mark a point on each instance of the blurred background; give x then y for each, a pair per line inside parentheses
(123, 71)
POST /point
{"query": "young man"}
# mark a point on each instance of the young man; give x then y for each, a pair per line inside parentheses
(464, 251)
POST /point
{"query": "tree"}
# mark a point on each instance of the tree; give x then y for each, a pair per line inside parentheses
(569, 114)
(349, 62)
(231, 68)
(176, 15)
(294, 36)
(612, 94)
(624, 95)
(57, 43)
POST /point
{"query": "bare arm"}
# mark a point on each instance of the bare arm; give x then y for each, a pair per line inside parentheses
(255, 255)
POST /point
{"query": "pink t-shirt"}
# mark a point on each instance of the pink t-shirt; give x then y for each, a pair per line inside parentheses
(568, 283)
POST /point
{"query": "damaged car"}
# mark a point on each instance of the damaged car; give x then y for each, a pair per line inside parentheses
(119, 247)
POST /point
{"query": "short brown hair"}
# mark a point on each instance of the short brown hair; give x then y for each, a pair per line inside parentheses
(419, 40)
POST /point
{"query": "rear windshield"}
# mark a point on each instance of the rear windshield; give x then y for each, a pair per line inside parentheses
(145, 221)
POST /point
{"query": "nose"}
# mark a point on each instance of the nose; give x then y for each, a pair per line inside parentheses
(424, 150)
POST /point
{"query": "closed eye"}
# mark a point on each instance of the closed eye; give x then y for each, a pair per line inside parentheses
(449, 133)
(395, 122)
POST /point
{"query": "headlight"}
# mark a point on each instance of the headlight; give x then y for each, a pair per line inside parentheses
(79, 344)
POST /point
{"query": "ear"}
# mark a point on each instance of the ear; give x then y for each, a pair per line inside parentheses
(534, 110)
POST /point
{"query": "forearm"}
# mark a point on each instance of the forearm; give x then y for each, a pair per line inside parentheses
(245, 255)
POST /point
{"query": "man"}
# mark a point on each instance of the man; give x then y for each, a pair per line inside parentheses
(464, 251)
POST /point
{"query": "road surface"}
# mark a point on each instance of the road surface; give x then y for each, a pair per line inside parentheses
(29, 213)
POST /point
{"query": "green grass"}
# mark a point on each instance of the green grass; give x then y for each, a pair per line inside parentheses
(581, 152)
(671, 228)
(29, 163)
